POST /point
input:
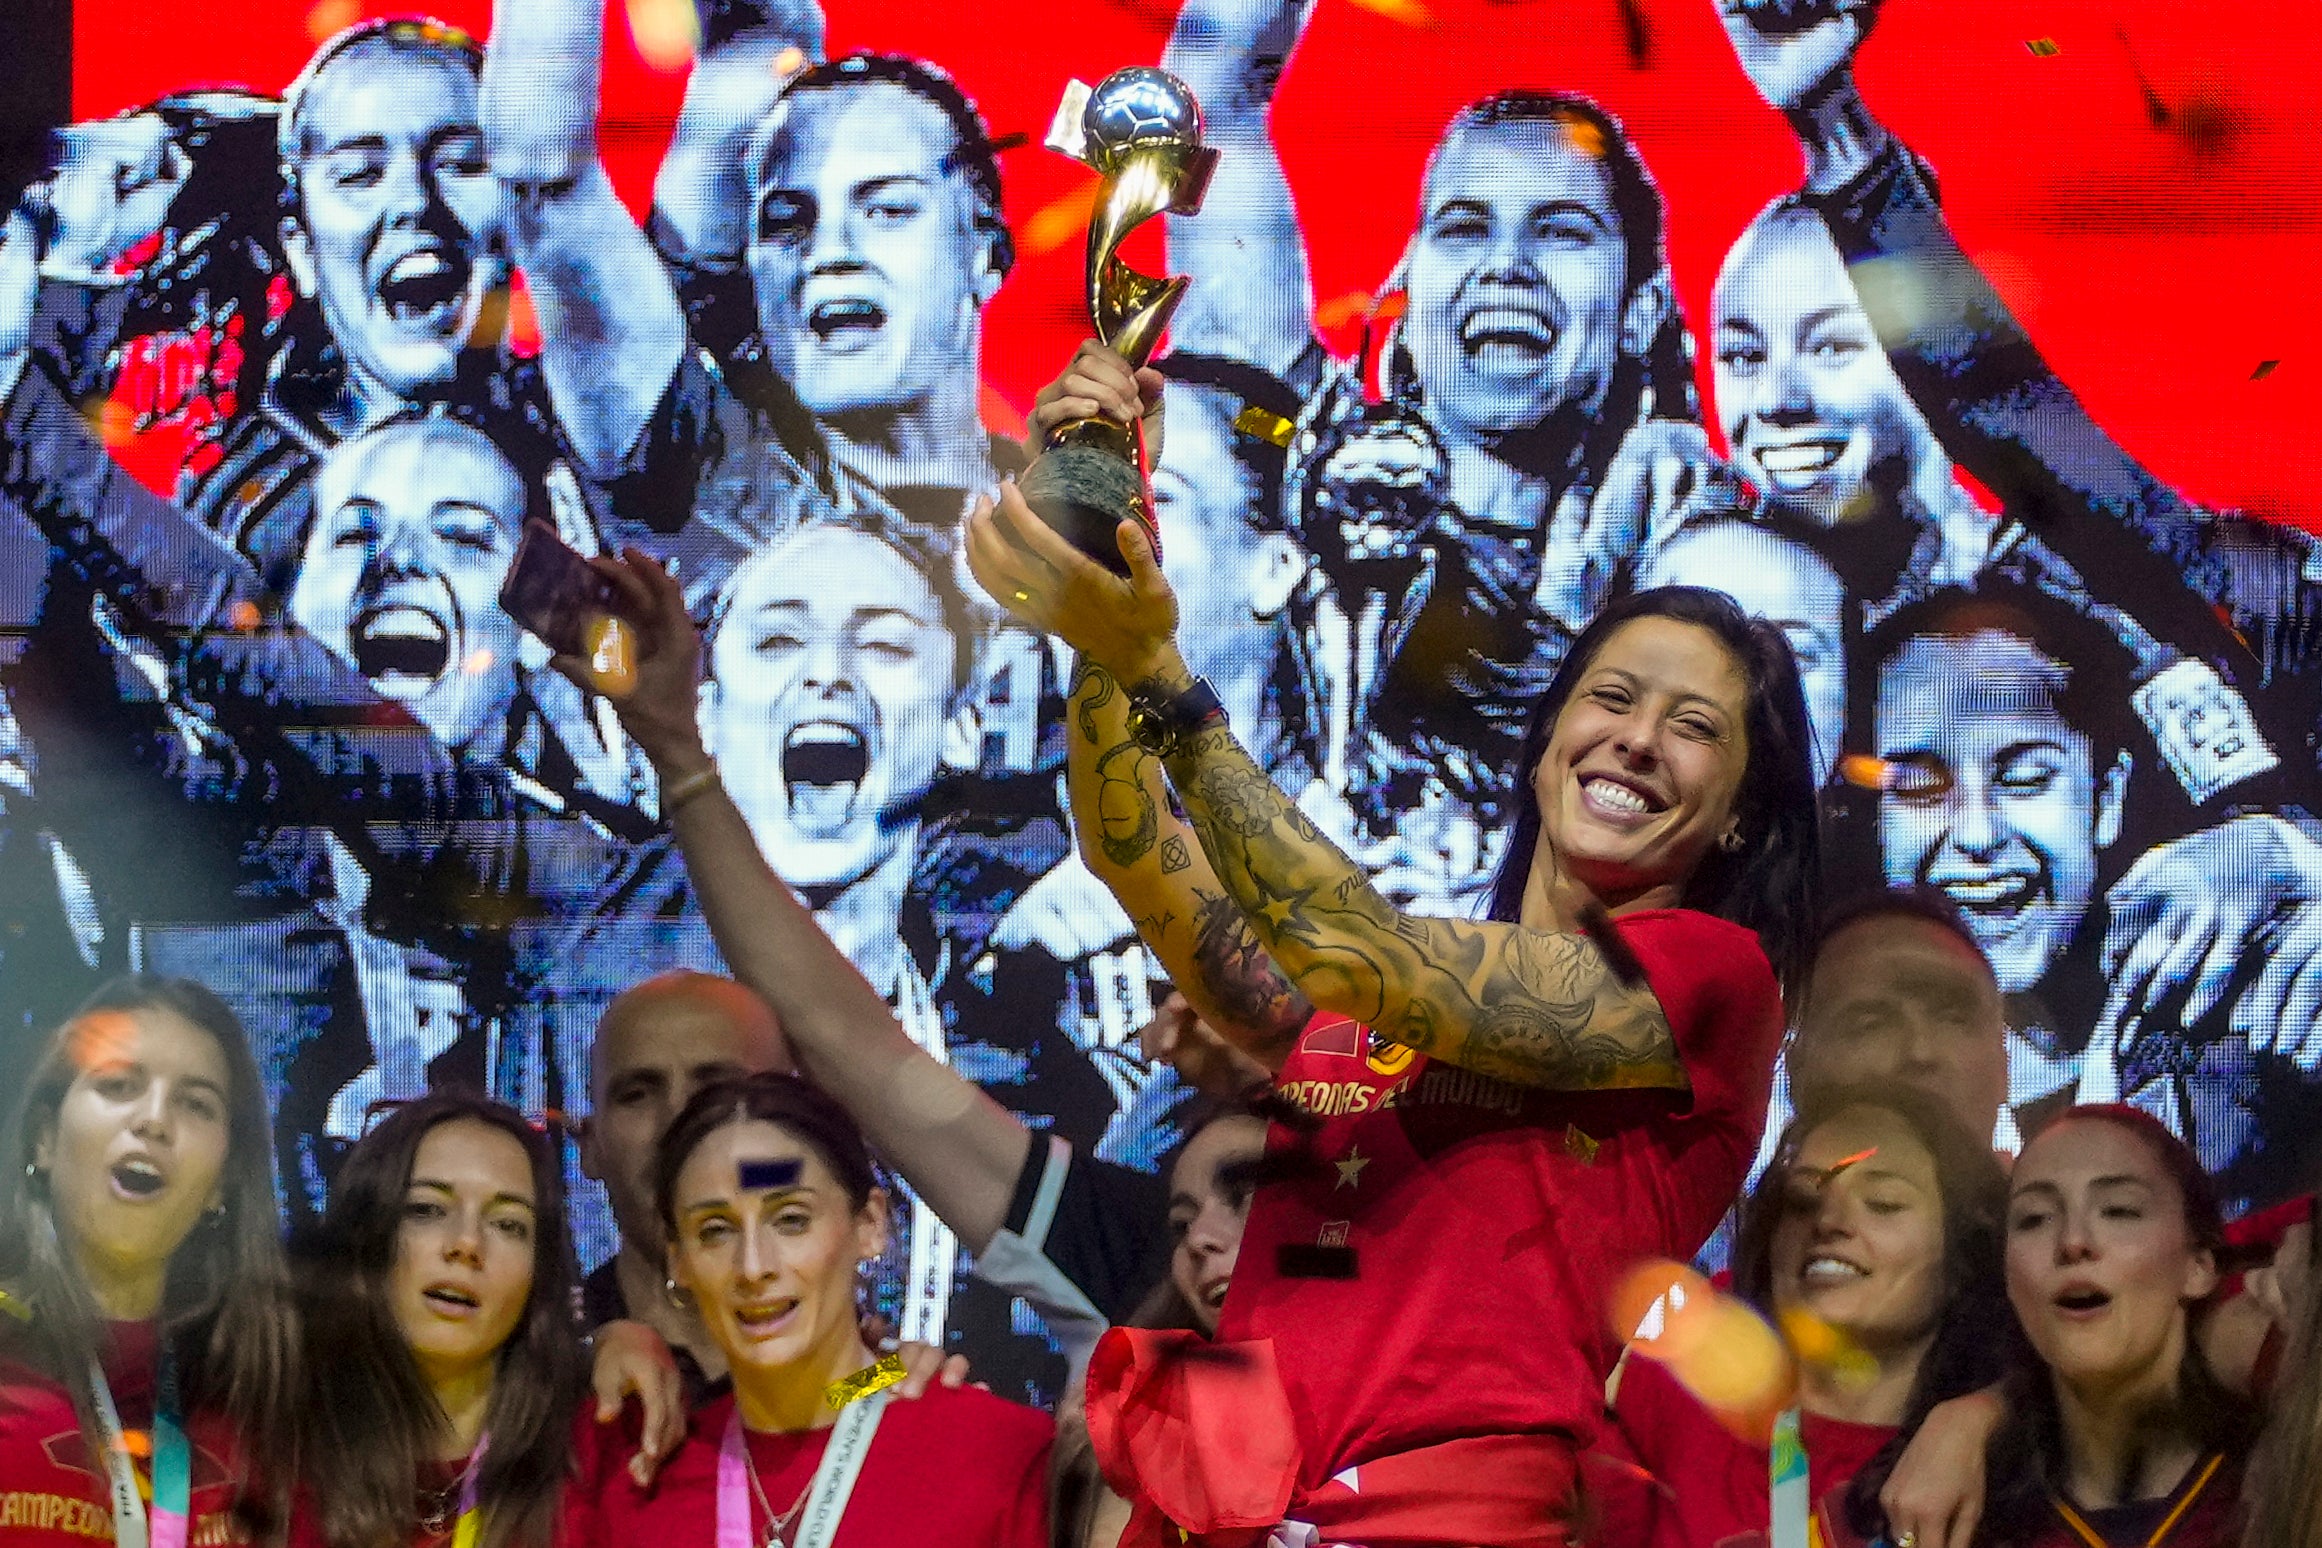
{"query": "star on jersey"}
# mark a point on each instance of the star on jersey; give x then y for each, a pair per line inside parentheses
(1350, 1170)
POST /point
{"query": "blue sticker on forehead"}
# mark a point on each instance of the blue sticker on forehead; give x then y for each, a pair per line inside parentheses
(770, 1174)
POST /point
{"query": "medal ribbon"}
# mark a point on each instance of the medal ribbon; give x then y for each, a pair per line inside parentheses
(827, 1496)
(468, 1532)
(166, 1524)
(1787, 1487)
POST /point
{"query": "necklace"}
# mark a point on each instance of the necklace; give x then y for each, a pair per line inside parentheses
(778, 1528)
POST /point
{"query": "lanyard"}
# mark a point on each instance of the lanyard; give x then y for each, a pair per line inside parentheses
(827, 1496)
(2093, 1539)
(465, 1532)
(1787, 1488)
(172, 1466)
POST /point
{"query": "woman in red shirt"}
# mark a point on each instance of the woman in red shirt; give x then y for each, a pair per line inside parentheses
(2118, 1433)
(147, 1355)
(1878, 1219)
(1501, 1117)
(438, 1311)
(770, 1200)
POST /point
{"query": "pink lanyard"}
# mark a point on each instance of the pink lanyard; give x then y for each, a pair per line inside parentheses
(827, 1496)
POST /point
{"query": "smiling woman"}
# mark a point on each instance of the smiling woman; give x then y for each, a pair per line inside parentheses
(438, 1293)
(143, 1278)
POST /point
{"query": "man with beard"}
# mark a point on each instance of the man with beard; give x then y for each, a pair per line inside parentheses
(2006, 778)
(838, 697)
(1540, 346)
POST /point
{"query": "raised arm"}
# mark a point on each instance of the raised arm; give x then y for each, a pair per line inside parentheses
(960, 1150)
(1994, 402)
(1252, 296)
(611, 330)
(1526, 1006)
(701, 195)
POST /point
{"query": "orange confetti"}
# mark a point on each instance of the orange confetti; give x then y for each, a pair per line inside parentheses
(1062, 221)
(479, 661)
(1843, 1162)
(790, 61)
(244, 615)
(137, 1443)
(1409, 12)
(667, 33)
(102, 1038)
(1583, 137)
(1864, 771)
(331, 17)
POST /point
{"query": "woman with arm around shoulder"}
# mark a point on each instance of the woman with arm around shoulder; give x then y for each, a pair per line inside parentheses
(771, 1203)
(438, 1300)
(144, 1283)
(2118, 1433)
(1505, 1114)
(1879, 1219)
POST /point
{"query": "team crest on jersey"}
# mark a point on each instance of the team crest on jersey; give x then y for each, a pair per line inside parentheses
(1387, 1058)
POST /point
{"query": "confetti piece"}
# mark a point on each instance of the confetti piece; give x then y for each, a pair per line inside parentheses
(1844, 1162)
(102, 1038)
(244, 615)
(1302, 1260)
(771, 1174)
(2265, 368)
(1864, 771)
(1580, 1147)
(1823, 1345)
(479, 661)
(1598, 926)
(138, 1443)
(667, 32)
(1265, 425)
(2043, 48)
(1409, 12)
(790, 61)
(870, 1379)
(1061, 221)
(331, 17)
(14, 1307)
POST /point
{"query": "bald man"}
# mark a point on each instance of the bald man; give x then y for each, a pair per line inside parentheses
(660, 1042)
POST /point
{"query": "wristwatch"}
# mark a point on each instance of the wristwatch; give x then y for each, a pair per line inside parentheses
(1160, 724)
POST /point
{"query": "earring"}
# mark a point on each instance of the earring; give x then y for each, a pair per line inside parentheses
(1731, 841)
(676, 1295)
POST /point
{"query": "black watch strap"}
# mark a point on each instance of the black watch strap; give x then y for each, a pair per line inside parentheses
(1159, 723)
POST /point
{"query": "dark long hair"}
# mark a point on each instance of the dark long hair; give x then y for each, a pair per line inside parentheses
(225, 1315)
(2025, 1465)
(1967, 1352)
(367, 1435)
(1771, 883)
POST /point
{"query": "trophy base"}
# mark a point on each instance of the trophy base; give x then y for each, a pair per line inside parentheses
(1083, 486)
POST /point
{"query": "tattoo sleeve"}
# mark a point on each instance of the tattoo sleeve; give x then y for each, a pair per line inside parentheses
(1136, 843)
(1524, 1006)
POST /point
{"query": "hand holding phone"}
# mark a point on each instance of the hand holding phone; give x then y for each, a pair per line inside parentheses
(559, 596)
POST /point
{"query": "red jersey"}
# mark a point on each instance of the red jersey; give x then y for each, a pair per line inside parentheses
(53, 1492)
(2203, 1511)
(957, 1468)
(1713, 1486)
(1487, 1221)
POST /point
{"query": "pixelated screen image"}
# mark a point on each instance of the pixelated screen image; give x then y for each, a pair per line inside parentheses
(2009, 428)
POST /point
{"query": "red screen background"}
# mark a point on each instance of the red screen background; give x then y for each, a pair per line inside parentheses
(2157, 266)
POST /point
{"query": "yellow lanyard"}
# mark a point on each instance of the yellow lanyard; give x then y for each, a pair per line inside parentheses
(2088, 1534)
(464, 1535)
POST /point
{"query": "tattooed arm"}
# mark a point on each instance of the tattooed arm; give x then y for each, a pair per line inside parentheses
(1534, 1008)
(1526, 1006)
(1141, 849)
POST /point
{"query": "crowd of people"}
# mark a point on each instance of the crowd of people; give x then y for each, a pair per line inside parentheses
(1278, 1013)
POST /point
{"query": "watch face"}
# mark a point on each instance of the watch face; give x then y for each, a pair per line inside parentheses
(1148, 729)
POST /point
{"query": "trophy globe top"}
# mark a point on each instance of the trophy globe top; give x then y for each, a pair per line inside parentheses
(1140, 112)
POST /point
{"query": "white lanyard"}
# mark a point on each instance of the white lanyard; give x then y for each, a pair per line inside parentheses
(1786, 1480)
(827, 1496)
(932, 1255)
(172, 1467)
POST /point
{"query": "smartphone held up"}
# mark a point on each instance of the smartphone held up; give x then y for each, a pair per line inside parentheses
(559, 596)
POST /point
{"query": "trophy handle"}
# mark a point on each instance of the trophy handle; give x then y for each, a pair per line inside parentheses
(1130, 310)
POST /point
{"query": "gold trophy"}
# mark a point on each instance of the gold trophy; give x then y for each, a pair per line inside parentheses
(1141, 130)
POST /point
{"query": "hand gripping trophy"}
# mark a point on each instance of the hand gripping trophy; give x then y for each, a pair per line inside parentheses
(1141, 130)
